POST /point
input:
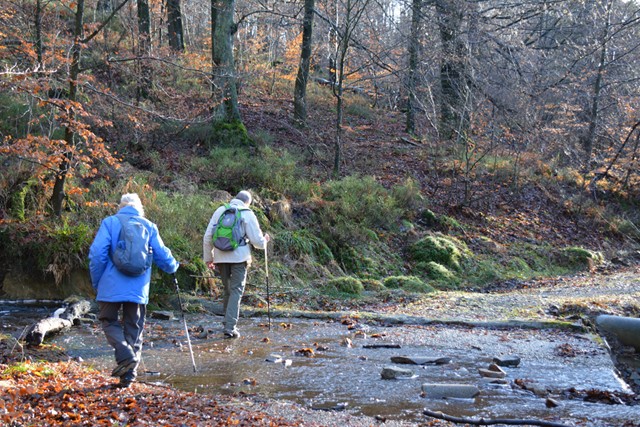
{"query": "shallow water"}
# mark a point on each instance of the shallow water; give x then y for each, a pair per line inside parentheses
(341, 377)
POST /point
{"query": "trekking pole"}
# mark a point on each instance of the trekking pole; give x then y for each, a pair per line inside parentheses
(266, 271)
(186, 329)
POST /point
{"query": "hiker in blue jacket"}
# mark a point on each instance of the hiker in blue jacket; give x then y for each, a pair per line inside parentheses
(116, 291)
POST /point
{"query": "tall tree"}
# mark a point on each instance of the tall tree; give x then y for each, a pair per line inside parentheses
(300, 90)
(74, 131)
(414, 44)
(353, 12)
(144, 48)
(597, 87)
(174, 22)
(223, 29)
(454, 68)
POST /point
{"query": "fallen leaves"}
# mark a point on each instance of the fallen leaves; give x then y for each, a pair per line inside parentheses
(55, 394)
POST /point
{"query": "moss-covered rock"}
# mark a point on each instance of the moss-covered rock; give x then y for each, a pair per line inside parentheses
(347, 284)
(579, 258)
(407, 283)
(372, 285)
(437, 272)
(232, 133)
(440, 249)
(429, 218)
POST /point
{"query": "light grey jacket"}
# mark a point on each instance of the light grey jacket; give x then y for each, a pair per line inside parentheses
(241, 253)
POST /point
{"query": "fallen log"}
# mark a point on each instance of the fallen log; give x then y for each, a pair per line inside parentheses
(36, 333)
(486, 422)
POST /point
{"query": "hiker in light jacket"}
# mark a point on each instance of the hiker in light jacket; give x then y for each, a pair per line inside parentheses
(232, 265)
(116, 291)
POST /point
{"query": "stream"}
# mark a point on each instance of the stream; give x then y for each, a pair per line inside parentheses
(342, 377)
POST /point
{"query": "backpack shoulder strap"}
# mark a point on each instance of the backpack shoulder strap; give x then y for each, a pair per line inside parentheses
(123, 222)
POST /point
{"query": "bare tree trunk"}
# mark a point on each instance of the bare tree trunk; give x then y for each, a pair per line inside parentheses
(597, 88)
(300, 89)
(224, 73)
(58, 194)
(454, 112)
(416, 19)
(174, 22)
(144, 49)
(38, 22)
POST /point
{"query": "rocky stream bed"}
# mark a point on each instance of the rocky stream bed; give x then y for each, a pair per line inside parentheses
(331, 368)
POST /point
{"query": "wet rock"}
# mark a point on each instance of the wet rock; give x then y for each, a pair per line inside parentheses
(274, 358)
(491, 374)
(417, 360)
(162, 315)
(551, 403)
(625, 329)
(539, 391)
(340, 406)
(381, 346)
(393, 373)
(453, 391)
(507, 361)
(494, 381)
(495, 368)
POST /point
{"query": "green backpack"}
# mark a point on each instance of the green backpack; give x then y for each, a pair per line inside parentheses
(228, 233)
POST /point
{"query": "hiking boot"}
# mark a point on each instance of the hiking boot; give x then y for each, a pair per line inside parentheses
(232, 334)
(124, 367)
(127, 379)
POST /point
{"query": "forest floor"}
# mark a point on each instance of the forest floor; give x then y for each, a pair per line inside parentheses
(54, 390)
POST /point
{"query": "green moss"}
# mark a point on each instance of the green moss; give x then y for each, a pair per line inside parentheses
(438, 272)
(347, 284)
(407, 283)
(437, 248)
(232, 134)
(578, 258)
(372, 285)
(429, 218)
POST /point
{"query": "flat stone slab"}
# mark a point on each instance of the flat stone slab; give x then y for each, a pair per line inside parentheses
(451, 391)
(488, 373)
(393, 373)
(507, 361)
(626, 329)
(418, 360)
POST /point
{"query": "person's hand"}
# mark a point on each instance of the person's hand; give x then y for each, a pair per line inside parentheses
(211, 265)
(267, 238)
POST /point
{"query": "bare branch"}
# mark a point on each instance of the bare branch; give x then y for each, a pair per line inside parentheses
(486, 422)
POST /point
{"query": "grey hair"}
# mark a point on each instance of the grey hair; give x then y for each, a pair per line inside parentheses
(132, 199)
(245, 197)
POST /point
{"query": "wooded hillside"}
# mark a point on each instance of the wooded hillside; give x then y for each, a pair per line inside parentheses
(499, 137)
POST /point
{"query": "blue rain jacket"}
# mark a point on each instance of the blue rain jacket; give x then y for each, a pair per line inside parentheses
(109, 283)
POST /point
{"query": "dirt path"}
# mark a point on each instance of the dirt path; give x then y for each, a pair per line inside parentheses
(615, 293)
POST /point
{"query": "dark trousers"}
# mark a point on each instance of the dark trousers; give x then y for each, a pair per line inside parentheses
(126, 336)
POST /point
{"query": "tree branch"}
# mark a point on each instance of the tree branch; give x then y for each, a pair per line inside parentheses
(104, 23)
(486, 422)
